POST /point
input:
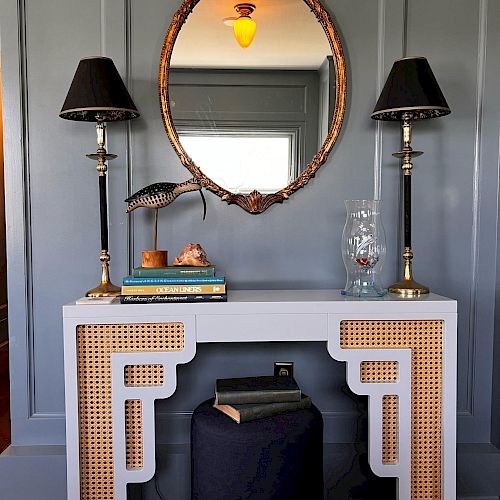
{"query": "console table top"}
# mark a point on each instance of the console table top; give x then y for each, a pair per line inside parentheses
(274, 301)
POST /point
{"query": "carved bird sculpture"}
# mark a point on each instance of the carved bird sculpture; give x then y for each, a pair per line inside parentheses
(160, 195)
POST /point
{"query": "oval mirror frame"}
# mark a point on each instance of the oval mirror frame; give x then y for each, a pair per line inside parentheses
(255, 202)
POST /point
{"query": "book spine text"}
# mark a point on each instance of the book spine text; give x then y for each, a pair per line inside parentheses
(173, 289)
(163, 299)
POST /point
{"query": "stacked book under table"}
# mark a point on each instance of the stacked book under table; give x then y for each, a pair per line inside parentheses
(251, 398)
(173, 284)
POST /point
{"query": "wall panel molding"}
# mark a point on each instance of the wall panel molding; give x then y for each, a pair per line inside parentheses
(377, 159)
(476, 204)
(128, 144)
(26, 222)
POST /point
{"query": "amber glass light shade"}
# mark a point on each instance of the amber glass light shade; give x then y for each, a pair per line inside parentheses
(244, 30)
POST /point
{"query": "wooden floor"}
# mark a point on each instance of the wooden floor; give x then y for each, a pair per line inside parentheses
(4, 397)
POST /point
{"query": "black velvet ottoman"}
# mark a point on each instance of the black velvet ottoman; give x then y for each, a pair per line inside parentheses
(279, 457)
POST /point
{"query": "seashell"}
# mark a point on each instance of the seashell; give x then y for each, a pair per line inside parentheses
(192, 255)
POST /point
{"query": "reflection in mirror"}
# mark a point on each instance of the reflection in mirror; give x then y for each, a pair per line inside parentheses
(253, 119)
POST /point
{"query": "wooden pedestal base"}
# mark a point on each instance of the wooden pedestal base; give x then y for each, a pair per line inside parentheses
(154, 258)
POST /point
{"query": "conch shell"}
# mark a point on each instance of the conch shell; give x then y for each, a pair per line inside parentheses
(192, 255)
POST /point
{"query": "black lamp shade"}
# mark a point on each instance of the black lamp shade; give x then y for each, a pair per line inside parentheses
(410, 88)
(97, 93)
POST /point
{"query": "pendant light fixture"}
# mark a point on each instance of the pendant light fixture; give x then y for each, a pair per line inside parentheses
(244, 27)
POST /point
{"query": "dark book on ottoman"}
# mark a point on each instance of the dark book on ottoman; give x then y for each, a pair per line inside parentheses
(249, 412)
(266, 389)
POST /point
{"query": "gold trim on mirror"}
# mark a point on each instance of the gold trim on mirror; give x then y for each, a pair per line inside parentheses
(255, 202)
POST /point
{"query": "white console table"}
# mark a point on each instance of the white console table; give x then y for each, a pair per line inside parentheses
(401, 353)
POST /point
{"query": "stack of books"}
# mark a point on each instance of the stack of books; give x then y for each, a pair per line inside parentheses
(251, 398)
(173, 284)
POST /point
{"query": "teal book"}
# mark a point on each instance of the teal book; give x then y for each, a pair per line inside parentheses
(249, 412)
(173, 272)
(188, 280)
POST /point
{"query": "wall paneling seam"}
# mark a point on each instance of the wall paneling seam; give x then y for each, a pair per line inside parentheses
(103, 40)
(28, 250)
(128, 134)
(377, 160)
(404, 40)
(476, 205)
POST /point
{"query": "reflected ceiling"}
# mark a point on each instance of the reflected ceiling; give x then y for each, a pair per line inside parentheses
(205, 42)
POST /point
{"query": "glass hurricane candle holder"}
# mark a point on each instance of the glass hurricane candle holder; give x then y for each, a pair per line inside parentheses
(363, 248)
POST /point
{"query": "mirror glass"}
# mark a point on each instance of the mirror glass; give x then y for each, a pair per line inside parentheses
(256, 120)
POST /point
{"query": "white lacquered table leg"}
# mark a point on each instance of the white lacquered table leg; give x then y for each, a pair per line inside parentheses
(147, 396)
(424, 348)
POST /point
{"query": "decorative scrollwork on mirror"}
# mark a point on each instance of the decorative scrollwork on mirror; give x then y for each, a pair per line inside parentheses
(226, 76)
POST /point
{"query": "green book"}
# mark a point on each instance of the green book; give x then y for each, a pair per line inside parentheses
(266, 389)
(173, 272)
(249, 412)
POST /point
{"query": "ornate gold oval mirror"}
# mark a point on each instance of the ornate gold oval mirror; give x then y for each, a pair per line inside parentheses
(253, 124)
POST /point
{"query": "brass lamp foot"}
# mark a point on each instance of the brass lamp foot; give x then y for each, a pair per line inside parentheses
(408, 287)
(105, 288)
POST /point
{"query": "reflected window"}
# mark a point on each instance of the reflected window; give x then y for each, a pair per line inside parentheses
(244, 160)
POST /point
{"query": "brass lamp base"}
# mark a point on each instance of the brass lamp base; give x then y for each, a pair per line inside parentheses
(408, 288)
(105, 288)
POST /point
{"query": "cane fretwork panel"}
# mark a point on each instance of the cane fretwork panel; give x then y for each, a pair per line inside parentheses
(390, 429)
(96, 343)
(379, 371)
(425, 339)
(143, 375)
(133, 434)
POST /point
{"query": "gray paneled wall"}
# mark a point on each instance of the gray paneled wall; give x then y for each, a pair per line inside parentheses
(52, 216)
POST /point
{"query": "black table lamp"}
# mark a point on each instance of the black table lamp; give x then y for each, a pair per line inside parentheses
(411, 92)
(98, 94)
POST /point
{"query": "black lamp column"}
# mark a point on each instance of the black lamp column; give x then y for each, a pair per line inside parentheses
(408, 286)
(105, 287)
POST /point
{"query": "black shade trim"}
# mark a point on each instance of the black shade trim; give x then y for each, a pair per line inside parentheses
(105, 115)
(417, 113)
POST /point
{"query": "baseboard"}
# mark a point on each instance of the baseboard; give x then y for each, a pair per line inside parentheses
(28, 472)
(478, 467)
(496, 497)
(477, 471)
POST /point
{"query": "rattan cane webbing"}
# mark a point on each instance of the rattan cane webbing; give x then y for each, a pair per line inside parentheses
(143, 375)
(379, 371)
(95, 345)
(425, 339)
(133, 434)
(390, 429)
